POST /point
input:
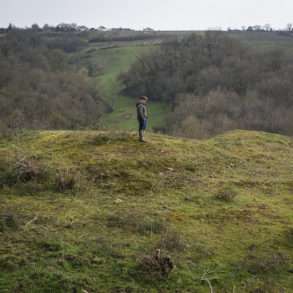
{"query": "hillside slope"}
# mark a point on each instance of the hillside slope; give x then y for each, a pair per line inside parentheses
(85, 212)
(113, 61)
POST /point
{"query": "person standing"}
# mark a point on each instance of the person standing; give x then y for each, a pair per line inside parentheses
(142, 116)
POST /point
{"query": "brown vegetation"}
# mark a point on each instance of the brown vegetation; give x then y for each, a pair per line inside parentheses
(215, 84)
(40, 89)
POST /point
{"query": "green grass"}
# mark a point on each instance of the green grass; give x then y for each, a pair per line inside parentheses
(130, 198)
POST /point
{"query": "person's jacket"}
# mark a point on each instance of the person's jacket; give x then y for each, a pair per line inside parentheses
(142, 112)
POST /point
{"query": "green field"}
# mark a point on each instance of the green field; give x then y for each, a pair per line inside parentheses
(113, 61)
(86, 211)
(118, 60)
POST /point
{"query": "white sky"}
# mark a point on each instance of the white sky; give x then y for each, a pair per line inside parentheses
(158, 14)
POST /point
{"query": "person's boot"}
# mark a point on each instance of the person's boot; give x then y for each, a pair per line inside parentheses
(141, 138)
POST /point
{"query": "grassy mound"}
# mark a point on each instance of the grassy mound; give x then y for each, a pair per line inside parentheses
(87, 212)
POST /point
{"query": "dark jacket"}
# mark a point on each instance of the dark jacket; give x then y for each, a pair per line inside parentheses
(142, 112)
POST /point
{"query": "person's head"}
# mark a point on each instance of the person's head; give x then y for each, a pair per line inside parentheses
(144, 99)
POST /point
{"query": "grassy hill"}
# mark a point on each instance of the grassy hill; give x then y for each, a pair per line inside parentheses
(86, 211)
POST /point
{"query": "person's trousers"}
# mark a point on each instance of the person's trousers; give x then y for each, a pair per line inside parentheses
(142, 123)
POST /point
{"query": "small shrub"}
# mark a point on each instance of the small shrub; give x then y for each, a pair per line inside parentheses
(66, 180)
(226, 194)
(27, 170)
(156, 265)
(20, 171)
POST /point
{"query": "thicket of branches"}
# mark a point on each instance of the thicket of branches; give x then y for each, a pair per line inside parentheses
(215, 84)
(40, 89)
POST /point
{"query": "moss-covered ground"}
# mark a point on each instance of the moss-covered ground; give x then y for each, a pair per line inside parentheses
(80, 211)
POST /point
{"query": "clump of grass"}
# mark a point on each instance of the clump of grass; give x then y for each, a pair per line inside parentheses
(9, 263)
(261, 263)
(226, 194)
(172, 241)
(49, 245)
(66, 180)
(8, 222)
(149, 225)
(255, 285)
(137, 223)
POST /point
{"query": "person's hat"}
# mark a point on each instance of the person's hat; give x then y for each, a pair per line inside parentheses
(144, 98)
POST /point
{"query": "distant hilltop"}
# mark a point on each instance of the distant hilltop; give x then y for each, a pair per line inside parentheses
(73, 27)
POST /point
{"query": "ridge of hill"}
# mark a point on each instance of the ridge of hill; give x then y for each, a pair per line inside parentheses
(84, 211)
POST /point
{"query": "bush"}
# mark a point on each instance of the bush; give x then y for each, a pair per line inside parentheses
(226, 194)
(66, 180)
(40, 88)
(27, 170)
(155, 265)
(22, 170)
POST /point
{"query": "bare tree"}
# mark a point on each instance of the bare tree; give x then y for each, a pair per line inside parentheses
(289, 27)
(267, 27)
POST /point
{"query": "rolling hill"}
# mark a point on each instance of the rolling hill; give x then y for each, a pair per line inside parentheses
(114, 57)
(87, 211)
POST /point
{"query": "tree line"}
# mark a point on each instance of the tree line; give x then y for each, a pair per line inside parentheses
(40, 88)
(214, 84)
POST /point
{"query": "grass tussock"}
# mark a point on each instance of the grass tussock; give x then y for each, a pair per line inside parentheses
(67, 180)
(137, 223)
(226, 194)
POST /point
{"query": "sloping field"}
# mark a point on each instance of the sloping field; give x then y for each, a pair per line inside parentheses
(87, 211)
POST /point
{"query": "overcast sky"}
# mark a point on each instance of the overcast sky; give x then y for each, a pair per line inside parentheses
(158, 14)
